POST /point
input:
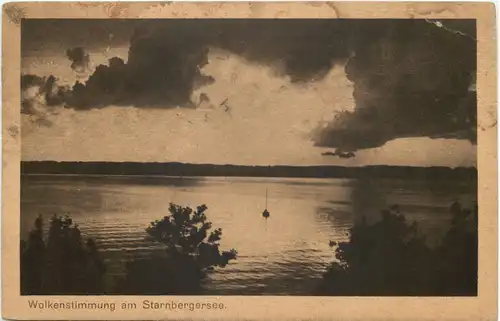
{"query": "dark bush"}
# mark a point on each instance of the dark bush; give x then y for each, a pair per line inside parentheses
(458, 254)
(390, 258)
(61, 264)
(191, 253)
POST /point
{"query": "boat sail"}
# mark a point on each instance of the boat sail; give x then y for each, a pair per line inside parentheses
(266, 213)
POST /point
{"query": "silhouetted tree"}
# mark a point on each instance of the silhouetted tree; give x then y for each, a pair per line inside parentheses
(62, 264)
(389, 257)
(191, 253)
(33, 260)
(458, 253)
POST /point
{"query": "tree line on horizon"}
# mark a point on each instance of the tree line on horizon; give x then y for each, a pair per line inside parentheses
(185, 169)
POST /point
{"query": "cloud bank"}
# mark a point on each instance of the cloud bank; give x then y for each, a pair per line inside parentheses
(416, 81)
(412, 78)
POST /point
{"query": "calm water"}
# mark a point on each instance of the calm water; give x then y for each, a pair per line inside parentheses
(285, 254)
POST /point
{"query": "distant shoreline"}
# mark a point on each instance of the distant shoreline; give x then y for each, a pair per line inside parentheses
(212, 170)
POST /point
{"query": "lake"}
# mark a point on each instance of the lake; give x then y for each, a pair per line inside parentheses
(283, 255)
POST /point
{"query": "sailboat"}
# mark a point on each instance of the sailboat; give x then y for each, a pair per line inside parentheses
(266, 213)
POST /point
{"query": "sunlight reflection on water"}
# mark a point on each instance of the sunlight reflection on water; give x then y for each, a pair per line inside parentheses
(284, 254)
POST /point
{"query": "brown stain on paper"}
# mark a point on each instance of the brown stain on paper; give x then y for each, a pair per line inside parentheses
(13, 131)
(117, 10)
(14, 13)
(111, 9)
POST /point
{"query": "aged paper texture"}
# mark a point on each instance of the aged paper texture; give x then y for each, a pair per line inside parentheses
(249, 160)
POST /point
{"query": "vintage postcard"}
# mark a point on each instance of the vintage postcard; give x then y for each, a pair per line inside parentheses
(249, 160)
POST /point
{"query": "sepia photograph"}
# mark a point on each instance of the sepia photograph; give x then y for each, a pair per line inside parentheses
(306, 157)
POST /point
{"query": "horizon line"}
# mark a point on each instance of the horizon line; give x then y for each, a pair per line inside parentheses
(245, 165)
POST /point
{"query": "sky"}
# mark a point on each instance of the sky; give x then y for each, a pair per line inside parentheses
(250, 92)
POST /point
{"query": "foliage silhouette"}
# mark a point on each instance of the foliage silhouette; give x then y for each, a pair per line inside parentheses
(389, 257)
(60, 263)
(191, 253)
(458, 253)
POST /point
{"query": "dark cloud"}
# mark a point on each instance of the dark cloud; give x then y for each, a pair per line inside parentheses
(339, 154)
(166, 57)
(165, 60)
(38, 97)
(302, 49)
(411, 77)
(203, 99)
(79, 59)
(28, 81)
(159, 73)
(36, 91)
